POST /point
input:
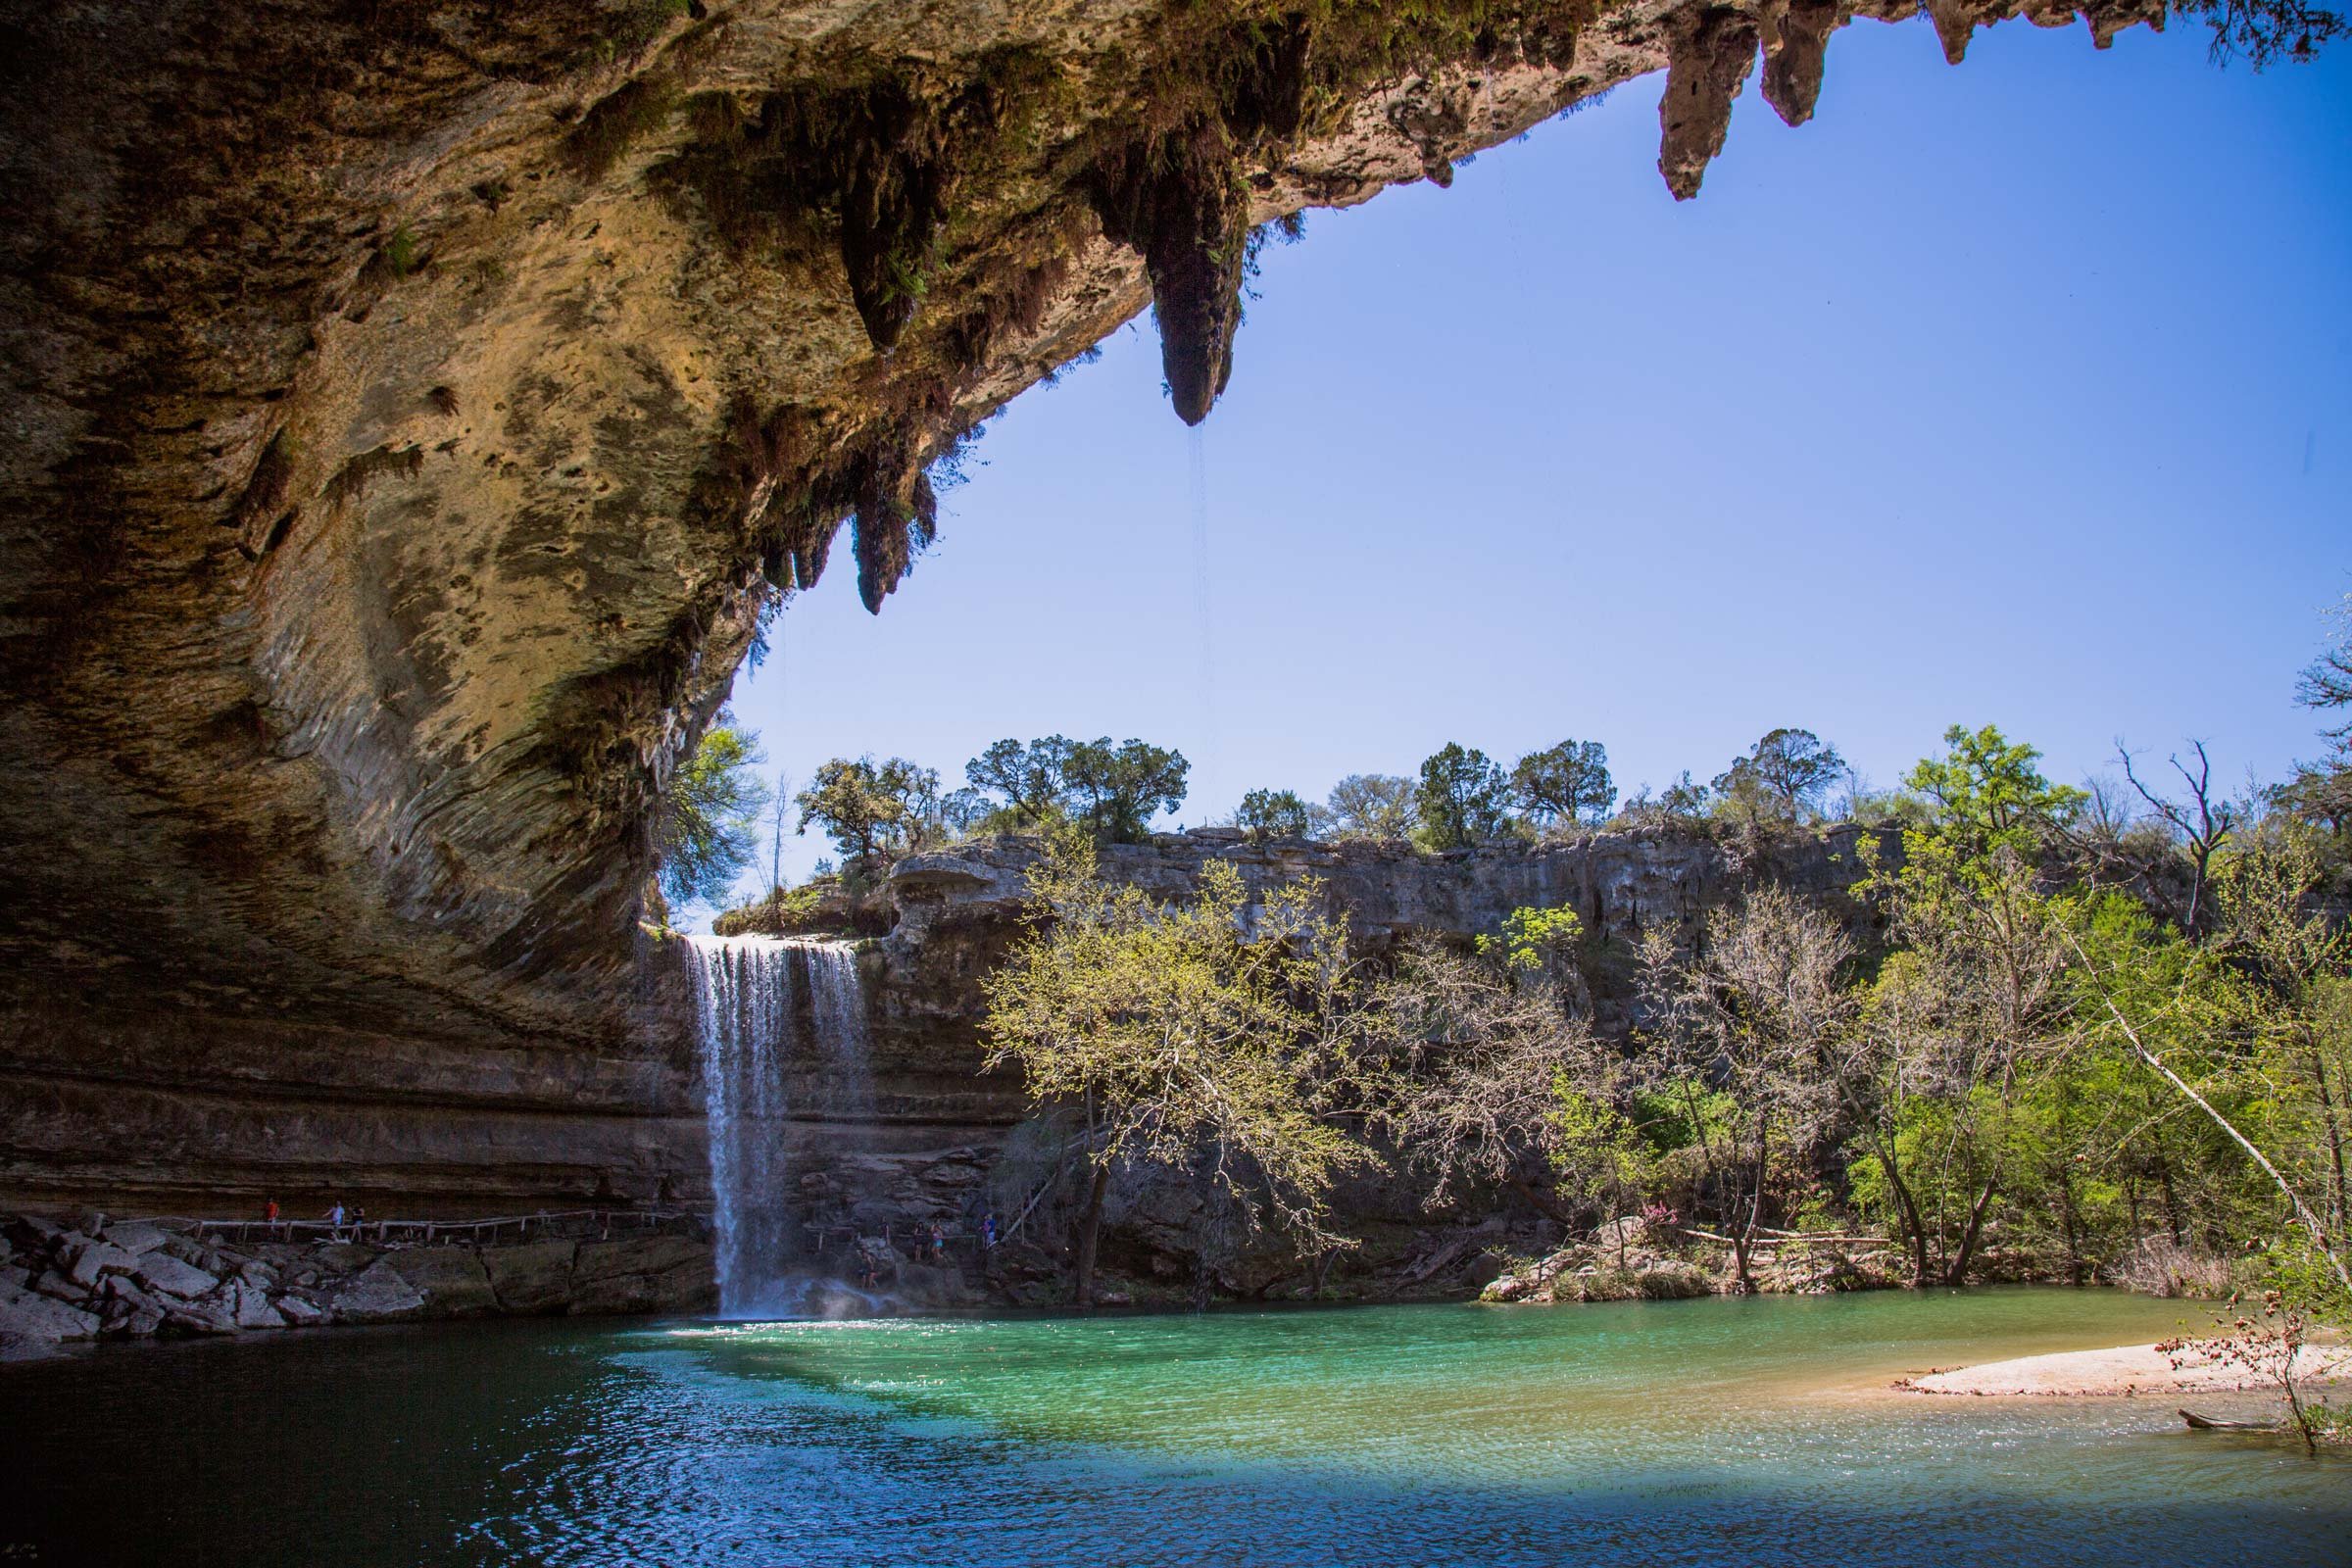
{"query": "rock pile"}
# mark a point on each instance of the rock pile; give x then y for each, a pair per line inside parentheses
(62, 1284)
(1627, 1261)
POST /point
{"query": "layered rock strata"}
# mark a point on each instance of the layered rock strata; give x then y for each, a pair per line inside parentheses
(63, 1286)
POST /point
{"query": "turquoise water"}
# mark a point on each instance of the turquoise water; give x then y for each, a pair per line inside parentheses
(1694, 1432)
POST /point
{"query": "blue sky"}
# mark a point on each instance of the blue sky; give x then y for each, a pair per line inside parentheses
(2016, 393)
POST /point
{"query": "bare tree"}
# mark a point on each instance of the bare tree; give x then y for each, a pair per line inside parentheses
(1755, 1015)
(2203, 822)
(1464, 1064)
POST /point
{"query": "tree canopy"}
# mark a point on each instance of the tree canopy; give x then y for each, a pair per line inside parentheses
(1463, 798)
(871, 808)
(1568, 782)
(706, 834)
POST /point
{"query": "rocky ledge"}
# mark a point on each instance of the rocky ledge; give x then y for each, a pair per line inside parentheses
(67, 1284)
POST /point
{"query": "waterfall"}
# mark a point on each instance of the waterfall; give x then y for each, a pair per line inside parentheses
(746, 1027)
(837, 1005)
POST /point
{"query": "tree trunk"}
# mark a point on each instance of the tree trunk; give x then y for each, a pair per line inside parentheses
(1090, 1232)
(1539, 1203)
(1958, 1274)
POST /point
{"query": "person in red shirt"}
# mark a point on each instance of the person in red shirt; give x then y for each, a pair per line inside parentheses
(269, 1214)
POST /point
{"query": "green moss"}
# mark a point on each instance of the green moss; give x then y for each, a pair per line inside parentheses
(616, 122)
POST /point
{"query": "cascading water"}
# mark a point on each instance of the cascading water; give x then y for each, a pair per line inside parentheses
(837, 1005)
(746, 1027)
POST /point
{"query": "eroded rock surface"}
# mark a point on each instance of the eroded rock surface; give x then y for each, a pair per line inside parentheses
(413, 407)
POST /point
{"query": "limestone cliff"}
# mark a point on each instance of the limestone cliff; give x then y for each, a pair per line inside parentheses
(414, 405)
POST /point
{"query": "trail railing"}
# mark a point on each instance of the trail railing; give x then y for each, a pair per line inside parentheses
(487, 1231)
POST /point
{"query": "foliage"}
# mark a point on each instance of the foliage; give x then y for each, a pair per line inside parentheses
(1372, 806)
(1275, 814)
(704, 835)
(874, 809)
(1786, 774)
(1116, 790)
(1463, 1058)
(1198, 1035)
(1463, 798)
(1568, 782)
(1986, 794)
(1033, 780)
(1535, 941)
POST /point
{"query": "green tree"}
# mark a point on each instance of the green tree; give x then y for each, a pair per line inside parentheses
(1119, 789)
(1275, 815)
(1463, 798)
(1182, 1038)
(1987, 793)
(706, 832)
(1033, 780)
(872, 809)
(1372, 806)
(1568, 782)
(1789, 771)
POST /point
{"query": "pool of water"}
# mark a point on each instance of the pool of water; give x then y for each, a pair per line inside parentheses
(1706, 1432)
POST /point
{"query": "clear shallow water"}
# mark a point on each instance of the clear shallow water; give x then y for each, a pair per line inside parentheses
(1694, 1432)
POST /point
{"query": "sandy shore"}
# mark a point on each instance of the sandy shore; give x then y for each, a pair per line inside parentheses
(2126, 1369)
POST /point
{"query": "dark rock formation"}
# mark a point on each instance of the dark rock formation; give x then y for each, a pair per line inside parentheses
(412, 408)
(63, 1285)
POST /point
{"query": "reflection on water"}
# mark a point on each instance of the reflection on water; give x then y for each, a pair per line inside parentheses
(1699, 1432)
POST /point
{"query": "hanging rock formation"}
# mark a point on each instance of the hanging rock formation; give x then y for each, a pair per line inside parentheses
(414, 407)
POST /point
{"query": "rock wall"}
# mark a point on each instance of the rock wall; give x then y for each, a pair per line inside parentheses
(413, 407)
(67, 1284)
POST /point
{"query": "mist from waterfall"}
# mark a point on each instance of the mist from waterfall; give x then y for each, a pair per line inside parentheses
(745, 991)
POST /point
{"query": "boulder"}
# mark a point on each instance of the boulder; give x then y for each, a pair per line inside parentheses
(532, 1278)
(136, 1236)
(33, 1325)
(644, 1274)
(375, 1295)
(198, 1318)
(161, 1271)
(451, 1279)
(299, 1313)
(87, 1261)
(342, 1258)
(56, 1286)
(252, 1308)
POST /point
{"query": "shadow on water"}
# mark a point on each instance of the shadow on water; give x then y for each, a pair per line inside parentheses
(1707, 1432)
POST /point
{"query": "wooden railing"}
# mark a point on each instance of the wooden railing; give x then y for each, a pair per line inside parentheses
(430, 1232)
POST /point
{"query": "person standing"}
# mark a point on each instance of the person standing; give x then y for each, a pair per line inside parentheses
(335, 1222)
(270, 1217)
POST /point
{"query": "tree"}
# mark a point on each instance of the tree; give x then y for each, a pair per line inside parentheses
(1463, 798)
(1466, 1054)
(1033, 779)
(1119, 789)
(1751, 1015)
(706, 834)
(1987, 793)
(1790, 769)
(2203, 823)
(1180, 1038)
(779, 806)
(1275, 815)
(870, 808)
(1372, 806)
(1685, 797)
(1567, 782)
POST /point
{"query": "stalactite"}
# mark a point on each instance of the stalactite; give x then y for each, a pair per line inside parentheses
(1708, 58)
(1794, 57)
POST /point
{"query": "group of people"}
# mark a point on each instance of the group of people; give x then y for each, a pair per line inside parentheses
(343, 1224)
(930, 1247)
